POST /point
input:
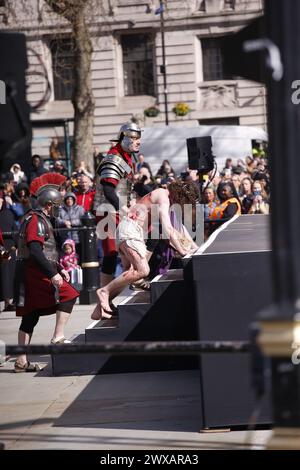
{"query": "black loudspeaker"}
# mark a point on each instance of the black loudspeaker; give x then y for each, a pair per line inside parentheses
(15, 128)
(200, 154)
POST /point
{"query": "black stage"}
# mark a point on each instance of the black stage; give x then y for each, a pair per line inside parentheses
(248, 233)
(232, 284)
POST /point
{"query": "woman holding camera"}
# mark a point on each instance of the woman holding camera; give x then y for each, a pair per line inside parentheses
(260, 204)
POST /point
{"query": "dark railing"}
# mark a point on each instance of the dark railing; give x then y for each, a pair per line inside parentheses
(135, 348)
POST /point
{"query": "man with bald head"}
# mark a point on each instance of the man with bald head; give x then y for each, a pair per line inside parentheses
(85, 194)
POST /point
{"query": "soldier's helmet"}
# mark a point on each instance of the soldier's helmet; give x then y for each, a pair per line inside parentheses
(129, 129)
(48, 194)
(46, 189)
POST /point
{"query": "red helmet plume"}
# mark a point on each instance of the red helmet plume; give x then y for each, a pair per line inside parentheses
(46, 181)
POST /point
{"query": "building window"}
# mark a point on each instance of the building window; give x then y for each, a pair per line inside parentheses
(213, 68)
(138, 64)
(202, 6)
(62, 51)
(233, 121)
(229, 4)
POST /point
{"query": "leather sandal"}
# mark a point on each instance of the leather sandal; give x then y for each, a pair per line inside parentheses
(9, 308)
(114, 312)
(28, 367)
(140, 285)
(62, 340)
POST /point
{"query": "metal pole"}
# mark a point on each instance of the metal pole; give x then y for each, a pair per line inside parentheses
(67, 147)
(163, 67)
(280, 324)
(89, 260)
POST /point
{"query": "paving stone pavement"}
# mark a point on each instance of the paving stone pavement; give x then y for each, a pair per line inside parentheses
(153, 410)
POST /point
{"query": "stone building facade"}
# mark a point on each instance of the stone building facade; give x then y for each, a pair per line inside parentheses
(127, 73)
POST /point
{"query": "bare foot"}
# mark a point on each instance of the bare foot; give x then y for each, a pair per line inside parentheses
(99, 313)
(104, 300)
(96, 315)
(105, 314)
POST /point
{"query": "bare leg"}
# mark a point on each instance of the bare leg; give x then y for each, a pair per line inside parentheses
(125, 265)
(103, 299)
(105, 279)
(61, 321)
(142, 282)
(139, 268)
(23, 339)
(99, 312)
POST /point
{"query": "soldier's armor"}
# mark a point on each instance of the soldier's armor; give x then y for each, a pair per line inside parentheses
(44, 229)
(113, 166)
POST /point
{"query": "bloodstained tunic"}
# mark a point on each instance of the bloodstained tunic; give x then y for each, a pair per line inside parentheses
(39, 291)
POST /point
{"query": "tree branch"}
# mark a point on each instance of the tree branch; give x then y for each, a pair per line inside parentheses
(66, 8)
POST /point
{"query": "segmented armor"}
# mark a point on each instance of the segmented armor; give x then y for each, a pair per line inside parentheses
(113, 166)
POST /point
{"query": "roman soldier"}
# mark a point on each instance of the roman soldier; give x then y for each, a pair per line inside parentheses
(41, 287)
(114, 185)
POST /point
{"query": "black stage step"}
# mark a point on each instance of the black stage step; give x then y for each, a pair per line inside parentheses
(169, 316)
(164, 313)
(77, 364)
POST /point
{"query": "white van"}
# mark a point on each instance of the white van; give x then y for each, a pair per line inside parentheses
(166, 142)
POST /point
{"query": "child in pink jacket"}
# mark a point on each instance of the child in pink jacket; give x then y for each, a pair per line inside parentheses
(70, 259)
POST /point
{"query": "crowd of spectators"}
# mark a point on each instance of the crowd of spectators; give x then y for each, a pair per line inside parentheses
(251, 181)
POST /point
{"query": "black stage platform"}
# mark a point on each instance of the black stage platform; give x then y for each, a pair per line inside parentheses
(247, 233)
(232, 283)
